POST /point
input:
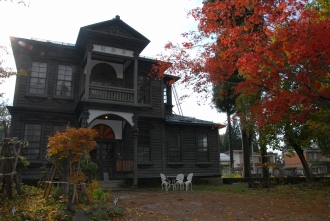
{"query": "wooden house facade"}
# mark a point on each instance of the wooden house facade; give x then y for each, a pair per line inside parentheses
(101, 82)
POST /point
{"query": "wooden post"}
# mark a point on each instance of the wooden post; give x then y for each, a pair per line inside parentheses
(7, 168)
(136, 57)
(15, 176)
(49, 184)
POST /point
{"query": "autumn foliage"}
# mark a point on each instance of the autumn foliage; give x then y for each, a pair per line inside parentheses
(280, 47)
(73, 145)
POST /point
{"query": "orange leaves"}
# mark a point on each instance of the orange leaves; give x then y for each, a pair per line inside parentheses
(68, 147)
(72, 142)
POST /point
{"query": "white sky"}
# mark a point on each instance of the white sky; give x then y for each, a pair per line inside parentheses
(60, 20)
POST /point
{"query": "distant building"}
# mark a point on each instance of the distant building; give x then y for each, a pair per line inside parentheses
(255, 162)
(317, 162)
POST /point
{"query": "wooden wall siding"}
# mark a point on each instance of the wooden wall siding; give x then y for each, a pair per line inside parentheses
(189, 151)
(17, 130)
(53, 57)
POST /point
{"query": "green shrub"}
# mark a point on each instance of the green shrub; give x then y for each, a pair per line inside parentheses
(89, 168)
(98, 194)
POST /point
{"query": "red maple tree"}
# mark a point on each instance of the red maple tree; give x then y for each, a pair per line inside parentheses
(280, 47)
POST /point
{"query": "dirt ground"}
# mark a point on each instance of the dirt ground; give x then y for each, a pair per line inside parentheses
(207, 206)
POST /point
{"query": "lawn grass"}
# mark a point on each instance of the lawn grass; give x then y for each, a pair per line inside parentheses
(303, 191)
(32, 203)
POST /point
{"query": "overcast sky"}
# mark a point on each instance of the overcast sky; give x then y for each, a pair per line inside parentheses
(60, 20)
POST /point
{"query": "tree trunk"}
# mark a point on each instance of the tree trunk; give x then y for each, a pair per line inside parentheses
(246, 146)
(230, 141)
(300, 153)
(263, 153)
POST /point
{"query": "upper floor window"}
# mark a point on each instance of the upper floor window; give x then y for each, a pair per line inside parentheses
(144, 153)
(312, 156)
(33, 136)
(165, 94)
(143, 90)
(64, 81)
(38, 78)
(202, 148)
(175, 153)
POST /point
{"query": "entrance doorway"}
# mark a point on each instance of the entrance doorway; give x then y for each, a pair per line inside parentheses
(104, 155)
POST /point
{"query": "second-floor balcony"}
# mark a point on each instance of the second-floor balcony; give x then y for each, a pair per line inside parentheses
(108, 93)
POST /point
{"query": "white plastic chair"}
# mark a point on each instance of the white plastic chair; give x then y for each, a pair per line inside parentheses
(178, 181)
(165, 182)
(189, 181)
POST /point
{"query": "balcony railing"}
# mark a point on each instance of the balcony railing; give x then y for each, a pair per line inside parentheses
(111, 93)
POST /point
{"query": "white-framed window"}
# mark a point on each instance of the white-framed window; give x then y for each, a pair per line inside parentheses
(37, 84)
(64, 81)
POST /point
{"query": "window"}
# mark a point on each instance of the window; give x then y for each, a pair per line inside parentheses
(144, 154)
(312, 156)
(64, 81)
(56, 128)
(33, 136)
(38, 78)
(165, 94)
(175, 147)
(202, 148)
(143, 90)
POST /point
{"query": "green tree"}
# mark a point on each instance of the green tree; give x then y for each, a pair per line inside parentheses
(236, 137)
(225, 99)
(5, 119)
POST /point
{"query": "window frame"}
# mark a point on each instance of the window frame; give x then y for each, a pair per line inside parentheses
(46, 79)
(72, 81)
(198, 147)
(141, 148)
(61, 126)
(165, 94)
(178, 135)
(40, 142)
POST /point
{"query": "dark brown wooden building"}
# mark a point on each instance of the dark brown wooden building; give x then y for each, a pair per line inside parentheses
(101, 82)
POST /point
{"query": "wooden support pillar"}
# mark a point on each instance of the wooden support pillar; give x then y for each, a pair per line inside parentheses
(135, 119)
(89, 49)
(84, 119)
(136, 57)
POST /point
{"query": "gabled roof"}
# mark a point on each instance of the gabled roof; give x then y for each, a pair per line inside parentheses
(115, 33)
(117, 27)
